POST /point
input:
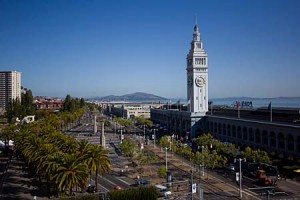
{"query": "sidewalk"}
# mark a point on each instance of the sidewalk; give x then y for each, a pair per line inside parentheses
(19, 185)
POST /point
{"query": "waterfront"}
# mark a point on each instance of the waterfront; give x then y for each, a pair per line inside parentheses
(284, 102)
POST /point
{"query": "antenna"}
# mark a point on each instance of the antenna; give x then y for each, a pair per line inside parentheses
(196, 18)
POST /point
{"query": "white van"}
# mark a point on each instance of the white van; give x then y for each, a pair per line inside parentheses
(162, 190)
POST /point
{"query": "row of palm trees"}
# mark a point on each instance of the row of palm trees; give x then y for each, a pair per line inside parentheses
(58, 160)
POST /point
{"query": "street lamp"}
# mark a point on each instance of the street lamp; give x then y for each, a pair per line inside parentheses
(115, 128)
(202, 165)
(166, 148)
(202, 147)
(144, 133)
(121, 135)
(240, 174)
(154, 137)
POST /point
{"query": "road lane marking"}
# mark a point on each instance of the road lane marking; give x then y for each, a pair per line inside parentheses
(108, 180)
(123, 181)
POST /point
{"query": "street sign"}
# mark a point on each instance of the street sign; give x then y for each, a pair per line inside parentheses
(237, 176)
(194, 188)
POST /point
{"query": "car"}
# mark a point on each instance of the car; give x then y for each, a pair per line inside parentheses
(163, 191)
(230, 167)
(118, 187)
(140, 182)
(91, 189)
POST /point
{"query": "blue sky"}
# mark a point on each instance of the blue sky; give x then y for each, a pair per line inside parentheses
(98, 47)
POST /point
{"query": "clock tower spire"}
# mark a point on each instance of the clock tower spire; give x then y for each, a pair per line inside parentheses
(197, 75)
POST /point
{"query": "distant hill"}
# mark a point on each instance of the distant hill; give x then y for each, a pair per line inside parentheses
(137, 96)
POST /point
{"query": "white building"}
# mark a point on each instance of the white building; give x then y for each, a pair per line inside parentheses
(131, 110)
(10, 87)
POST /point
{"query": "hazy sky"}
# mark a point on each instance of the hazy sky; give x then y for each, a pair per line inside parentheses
(101, 47)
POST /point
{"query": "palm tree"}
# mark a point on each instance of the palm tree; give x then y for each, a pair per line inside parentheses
(97, 160)
(70, 172)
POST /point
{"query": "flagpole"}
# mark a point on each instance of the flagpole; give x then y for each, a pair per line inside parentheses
(271, 114)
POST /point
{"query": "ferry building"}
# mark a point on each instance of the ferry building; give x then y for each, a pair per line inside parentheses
(281, 136)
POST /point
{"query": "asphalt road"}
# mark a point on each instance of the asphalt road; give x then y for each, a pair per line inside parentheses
(283, 190)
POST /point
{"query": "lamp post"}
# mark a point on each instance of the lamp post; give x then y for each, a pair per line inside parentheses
(144, 133)
(240, 173)
(121, 135)
(115, 128)
(154, 137)
(166, 148)
(202, 165)
(192, 196)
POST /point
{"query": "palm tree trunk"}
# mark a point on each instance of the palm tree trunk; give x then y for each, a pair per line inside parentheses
(96, 179)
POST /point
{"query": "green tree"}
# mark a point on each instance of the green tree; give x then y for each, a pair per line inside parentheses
(165, 142)
(256, 155)
(162, 172)
(67, 103)
(82, 103)
(97, 160)
(71, 172)
(128, 148)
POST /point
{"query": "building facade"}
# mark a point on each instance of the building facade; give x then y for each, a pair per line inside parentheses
(10, 87)
(279, 137)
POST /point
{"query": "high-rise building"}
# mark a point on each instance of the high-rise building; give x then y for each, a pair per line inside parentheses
(10, 87)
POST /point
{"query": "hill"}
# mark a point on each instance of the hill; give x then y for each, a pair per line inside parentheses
(137, 96)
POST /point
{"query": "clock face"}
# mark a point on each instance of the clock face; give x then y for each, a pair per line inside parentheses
(199, 81)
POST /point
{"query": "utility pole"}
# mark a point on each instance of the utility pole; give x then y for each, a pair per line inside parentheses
(166, 158)
(144, 133)
(154, 137)
(240, 174)
(192, 185)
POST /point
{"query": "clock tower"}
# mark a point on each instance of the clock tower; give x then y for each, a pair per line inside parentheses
(197, 75)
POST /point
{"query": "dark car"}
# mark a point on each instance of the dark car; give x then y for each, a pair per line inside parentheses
(230, 167)
(140, 183)
(91, 189)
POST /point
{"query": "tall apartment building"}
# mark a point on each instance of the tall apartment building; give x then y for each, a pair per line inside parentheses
(10, 87)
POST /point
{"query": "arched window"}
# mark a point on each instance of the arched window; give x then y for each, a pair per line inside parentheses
(272, 139)
(257, 136)
(239, 131)
(224, 129)
(245, 133)
(215, 128)
(251, 135)
(290, 142)
(298, 144)
(265, 137)
(229, 130)
(281, 141)
(220, 128)
(233, 131)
